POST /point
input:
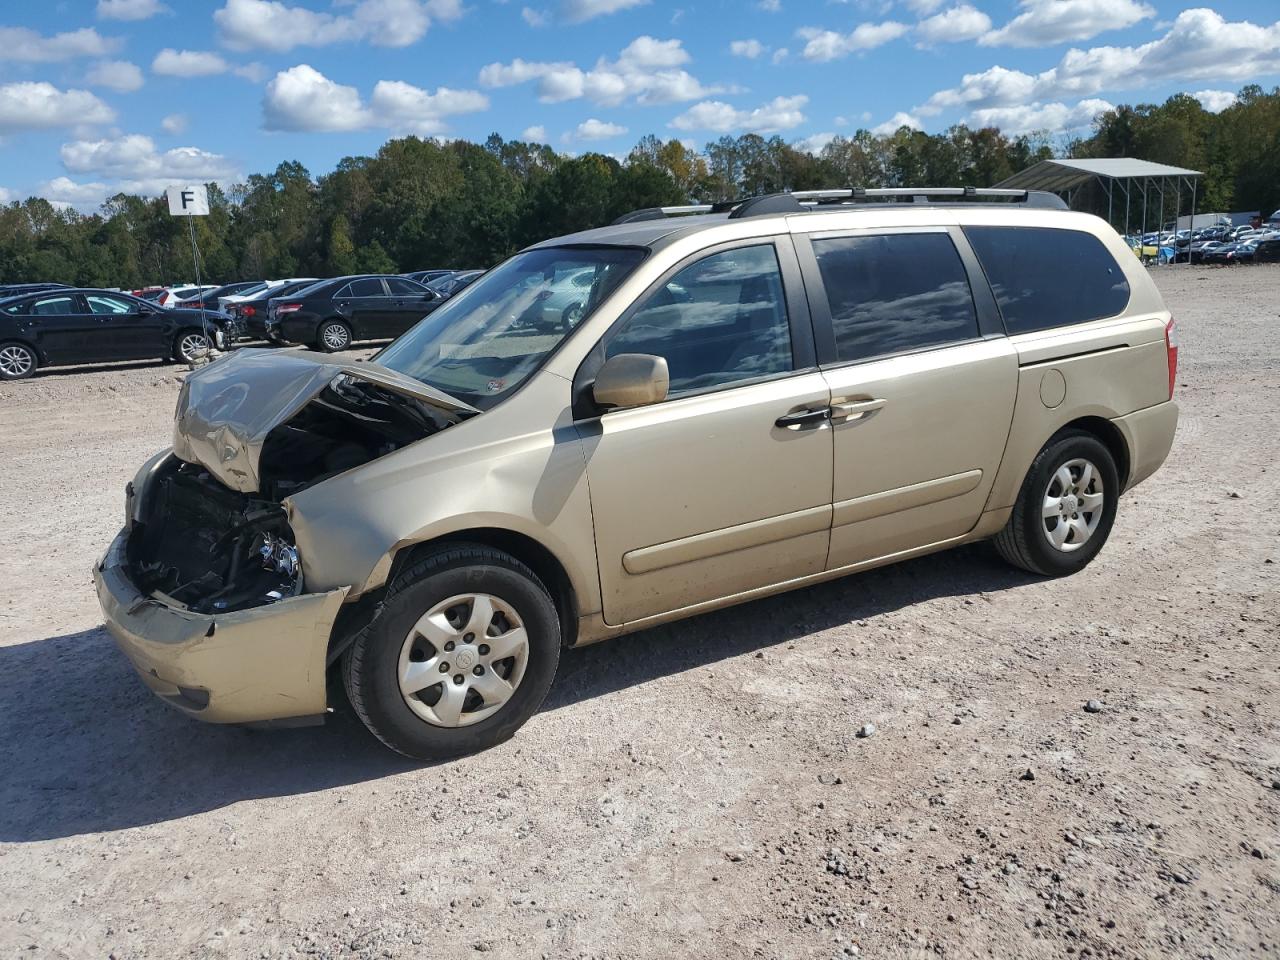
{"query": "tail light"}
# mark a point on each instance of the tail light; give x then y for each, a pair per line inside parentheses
(245, 311)
(1171, 348)
(288, 307)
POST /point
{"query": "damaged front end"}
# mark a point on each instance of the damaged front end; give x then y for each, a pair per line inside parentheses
(204, 590)
(212, 533)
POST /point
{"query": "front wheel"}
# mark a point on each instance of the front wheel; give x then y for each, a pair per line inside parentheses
(17, 361)
(1065, 509)
(191, 345)
(460, 655)
(334, 335)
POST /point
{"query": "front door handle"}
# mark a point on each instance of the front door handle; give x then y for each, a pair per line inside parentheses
(855, 409)
(803, 418)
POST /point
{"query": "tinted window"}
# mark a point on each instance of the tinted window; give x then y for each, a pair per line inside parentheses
(53, 306)
(100, 303)
(1044, 277)
(895, 292)
(368, 287)
(404, 288)
(718, 321)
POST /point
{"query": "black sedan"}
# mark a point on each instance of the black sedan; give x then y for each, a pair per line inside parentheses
(454, 283)
(251, 315)
(333, 314)
(90, 326)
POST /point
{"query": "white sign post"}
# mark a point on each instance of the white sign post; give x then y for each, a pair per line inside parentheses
(192, 200)
(188, 201)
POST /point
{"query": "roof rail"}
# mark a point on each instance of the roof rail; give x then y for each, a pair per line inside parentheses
(799, 201)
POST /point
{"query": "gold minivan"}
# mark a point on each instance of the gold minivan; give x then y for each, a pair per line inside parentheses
(690, 408)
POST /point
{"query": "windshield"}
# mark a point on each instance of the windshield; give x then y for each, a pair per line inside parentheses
(483, 343)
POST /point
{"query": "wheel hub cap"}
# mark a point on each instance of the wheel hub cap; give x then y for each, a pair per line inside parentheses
(1073, 505)
(463, 660)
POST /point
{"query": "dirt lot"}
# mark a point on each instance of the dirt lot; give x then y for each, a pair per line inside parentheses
(696, 790)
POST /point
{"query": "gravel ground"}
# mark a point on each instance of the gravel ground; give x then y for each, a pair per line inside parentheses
(696, 790)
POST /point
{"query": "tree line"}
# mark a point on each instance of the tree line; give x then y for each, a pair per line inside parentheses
(420, 204)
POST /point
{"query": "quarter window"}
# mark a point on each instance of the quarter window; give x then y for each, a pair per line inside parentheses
(54, 307)
(719, 321)
(895, 292)
(1045, 277)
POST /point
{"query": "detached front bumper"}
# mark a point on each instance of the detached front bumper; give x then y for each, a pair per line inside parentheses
(265, 663)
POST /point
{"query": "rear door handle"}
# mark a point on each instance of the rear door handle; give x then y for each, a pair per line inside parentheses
(803, 418)
(855, 409)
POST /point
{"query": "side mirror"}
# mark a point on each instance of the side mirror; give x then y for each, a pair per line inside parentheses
(631, 380)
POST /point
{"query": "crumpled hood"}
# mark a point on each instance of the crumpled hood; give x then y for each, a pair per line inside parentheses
(226, 409)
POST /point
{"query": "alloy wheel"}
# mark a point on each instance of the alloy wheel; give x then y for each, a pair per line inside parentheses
(192, 346)
(463, 659)
(1073, 505)
(335, 336)
(16, 361)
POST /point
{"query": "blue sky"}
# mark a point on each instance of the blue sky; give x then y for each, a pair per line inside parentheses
(98, 96)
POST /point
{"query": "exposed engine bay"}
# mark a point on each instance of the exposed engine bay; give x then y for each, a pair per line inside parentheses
(211, 547)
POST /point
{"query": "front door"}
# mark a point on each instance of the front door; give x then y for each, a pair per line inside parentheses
(366, 305)
(922, 386)
(406, 307)
(130, 333)
(726, 485)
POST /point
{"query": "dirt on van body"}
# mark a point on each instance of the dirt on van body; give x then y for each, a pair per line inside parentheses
(699, 790)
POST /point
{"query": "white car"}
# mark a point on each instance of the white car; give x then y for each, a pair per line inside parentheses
(172, 295)
(253, 293)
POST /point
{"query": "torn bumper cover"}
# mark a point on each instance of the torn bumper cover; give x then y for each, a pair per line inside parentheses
(261, 664)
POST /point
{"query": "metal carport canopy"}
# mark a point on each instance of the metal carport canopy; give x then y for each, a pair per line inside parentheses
(1060, 175)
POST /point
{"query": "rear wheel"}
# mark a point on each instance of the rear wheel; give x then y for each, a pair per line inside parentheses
(1065, 509)
(334, 335)
(460, 655)
(17, 361)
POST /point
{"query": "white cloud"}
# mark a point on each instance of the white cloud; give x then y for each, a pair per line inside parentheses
(922, 8)
(577, 11)
(119, 75)
(135, 166)
(770, 6)
(188, 63)
(1200, 45)
(594, 129)
(6, 196)
(38, 105)
(1215, 101)
(65, 192)
(780, 113)
(747, 48)
(647, 70)
(21, 45)
(780, 54)
(824, 45)
(201, 63)
(535, 134)
(1044, 23)
(814, 143)
(894, 123)
(274, 25)
(962, 22)
(1051, 117)
(303, 99)
(534, 18)
(130, 9)
(174, 123)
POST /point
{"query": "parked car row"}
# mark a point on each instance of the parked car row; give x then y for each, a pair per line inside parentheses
(52, 324)
(1221, 244)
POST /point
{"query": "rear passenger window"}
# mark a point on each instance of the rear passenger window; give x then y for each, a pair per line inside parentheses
(1045, 277)
(368, 287)
(895, 292)
(719, 321)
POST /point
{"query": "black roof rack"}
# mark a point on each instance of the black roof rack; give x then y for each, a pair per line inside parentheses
(800, 201)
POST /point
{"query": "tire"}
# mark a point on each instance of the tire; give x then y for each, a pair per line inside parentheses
(332, 336)
(17, 361)
(1029, 539)
(570, 317)
(190, 345)
(380, 661)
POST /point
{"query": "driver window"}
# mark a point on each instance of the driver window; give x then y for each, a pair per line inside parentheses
(100, 304)
(718, 322)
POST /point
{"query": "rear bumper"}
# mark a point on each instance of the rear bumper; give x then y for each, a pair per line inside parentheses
(262, 664)
(1149, 435)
